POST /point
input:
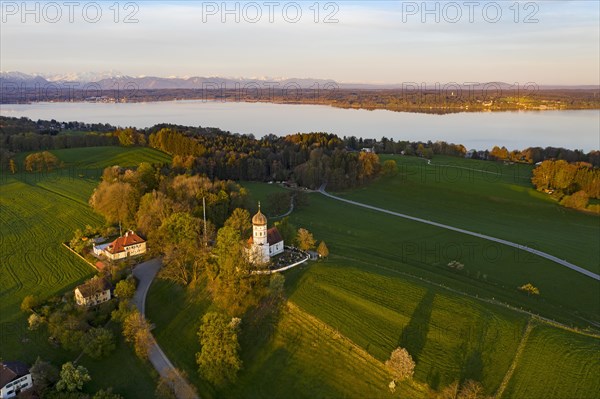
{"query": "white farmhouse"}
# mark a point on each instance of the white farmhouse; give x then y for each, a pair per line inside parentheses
(128, 245)
(264, 242)
(95, 291)
(14, 379)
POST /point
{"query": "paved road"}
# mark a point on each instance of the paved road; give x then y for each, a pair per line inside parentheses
(471, 233)
(145, 273)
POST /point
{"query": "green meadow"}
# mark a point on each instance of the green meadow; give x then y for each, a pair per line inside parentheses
(39, 211)
(490, 198)
(387, 283)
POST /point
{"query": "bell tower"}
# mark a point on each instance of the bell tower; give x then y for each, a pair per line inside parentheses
(259, 237)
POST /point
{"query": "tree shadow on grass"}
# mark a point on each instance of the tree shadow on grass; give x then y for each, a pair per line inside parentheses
(473, 366)
(414, 335)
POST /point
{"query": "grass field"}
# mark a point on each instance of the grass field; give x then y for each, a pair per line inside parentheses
(555, 365)
(500, 202)
(386, 284)
(37, 213)
(490, 270)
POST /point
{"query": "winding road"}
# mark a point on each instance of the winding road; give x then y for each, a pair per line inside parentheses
(145, 273)
(471, 233)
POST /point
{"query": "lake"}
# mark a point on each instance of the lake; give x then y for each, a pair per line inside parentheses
(481, 130)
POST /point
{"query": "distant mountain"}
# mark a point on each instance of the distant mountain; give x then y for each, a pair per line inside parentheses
(111, 80)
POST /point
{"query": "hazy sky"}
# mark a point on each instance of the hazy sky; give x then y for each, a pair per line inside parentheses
(384, 42)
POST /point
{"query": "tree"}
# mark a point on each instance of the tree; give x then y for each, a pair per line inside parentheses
(305, 240)
(106, 394)
(29, 302)
(390, 168)
(323, 250)
(287, 231)
(125, 289)
(44, 375)
(471, 390)
(136, 330)
(98, 342)
(185, 257)
(154, 208)
(173, 385)
(116, 201)
(120, 314)
(233, 287)
(35, 321)
(218, 360)
(579, 200)
(240, 221)
(401, 364)
(72, 378)
(529, 289)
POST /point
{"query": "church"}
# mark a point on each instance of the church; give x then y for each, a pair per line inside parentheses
(264, 242)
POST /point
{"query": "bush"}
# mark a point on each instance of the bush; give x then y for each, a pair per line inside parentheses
(529, 289)
(29, 302)
(579, 200)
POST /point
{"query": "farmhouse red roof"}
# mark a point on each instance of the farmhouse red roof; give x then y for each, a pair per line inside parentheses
(118, 245)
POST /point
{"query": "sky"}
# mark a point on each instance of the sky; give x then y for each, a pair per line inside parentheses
(545, 42)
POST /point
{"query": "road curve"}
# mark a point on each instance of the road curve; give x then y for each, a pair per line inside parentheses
(471, 233)
(145, 273)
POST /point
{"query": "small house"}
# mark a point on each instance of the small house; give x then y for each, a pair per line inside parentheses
(93, 292)
(14, 379)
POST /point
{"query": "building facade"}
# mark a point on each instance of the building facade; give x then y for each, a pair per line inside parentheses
(264, 243)
(123, 247)
(14, 379)
(93, 292)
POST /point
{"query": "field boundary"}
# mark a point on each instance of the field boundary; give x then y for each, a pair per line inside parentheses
(81, 257)
(513, 364)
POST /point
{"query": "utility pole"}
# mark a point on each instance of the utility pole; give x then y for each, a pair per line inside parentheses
(204, 211)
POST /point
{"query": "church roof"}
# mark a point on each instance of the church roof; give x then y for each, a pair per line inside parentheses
(273, 237)
(259, 219)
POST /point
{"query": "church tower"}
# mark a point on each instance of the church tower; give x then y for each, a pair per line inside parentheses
(259, 237)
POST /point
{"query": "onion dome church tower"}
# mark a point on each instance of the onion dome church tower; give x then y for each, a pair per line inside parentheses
(264, 242)
(259, 237)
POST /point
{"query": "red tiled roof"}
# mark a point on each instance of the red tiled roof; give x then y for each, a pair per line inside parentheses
(118, 245)
(273, 236)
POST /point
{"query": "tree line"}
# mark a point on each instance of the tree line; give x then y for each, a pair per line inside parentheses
(309, 158)
(573, 184)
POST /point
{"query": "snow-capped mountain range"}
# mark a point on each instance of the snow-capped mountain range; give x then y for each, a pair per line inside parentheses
(112, 79)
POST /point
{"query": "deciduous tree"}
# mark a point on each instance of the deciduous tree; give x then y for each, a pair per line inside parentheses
(98, 342)
(125, 289)
(305, 240)
(323, 250)
(401, 364)
(72, 378)
(218, 360)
